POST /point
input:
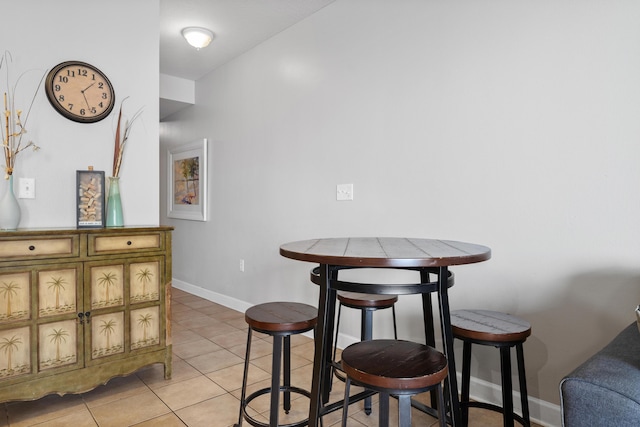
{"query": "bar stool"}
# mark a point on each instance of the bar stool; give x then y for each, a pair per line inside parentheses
(502, 331)
(397, 368)
(367, 304)
(279, 320)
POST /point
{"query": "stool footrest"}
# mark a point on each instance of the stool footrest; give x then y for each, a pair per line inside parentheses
(492, 407)
(267, 390)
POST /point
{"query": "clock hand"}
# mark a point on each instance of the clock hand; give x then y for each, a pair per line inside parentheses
(85, 96)
(88, 87)
(85, 99)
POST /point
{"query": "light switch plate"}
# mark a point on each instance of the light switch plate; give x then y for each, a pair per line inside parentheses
(26, 188)
(344, 192)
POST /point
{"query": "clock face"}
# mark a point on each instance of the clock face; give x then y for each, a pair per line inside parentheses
(80, 92)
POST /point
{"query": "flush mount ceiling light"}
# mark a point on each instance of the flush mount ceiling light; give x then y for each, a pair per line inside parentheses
(197, 37)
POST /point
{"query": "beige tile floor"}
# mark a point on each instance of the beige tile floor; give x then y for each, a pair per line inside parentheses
(208, 346)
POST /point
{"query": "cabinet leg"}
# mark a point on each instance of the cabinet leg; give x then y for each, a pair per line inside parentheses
(167, 363)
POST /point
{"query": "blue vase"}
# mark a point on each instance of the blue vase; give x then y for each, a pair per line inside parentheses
(9, 208)
(114, 204)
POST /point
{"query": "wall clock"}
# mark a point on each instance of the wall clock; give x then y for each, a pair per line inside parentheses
(80, 91)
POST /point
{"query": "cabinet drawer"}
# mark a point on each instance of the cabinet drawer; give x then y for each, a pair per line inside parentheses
(62, 246)
(125, 243)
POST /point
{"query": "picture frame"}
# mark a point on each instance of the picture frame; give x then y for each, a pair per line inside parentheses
(187, 181)
(90, 199)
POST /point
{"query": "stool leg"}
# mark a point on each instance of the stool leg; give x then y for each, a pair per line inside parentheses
(383, 410)
(404, 410)
(442, 413)
(287, 373)
(507, 391)
(244, 378)
(395, 327)
(345, 407)
(275, 380)
(466, 379)
(447, 344)
(427, 317)
(366, 334)
(335, 347)
(523, 385)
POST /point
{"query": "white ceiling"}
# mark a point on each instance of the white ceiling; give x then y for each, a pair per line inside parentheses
(238, 25)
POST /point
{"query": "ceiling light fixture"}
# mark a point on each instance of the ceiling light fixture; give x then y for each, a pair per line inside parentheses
(197, 37)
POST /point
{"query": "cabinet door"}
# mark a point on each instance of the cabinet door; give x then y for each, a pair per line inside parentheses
(60, 317)
(147, 319)
(39, 327)
(126, 297)
(105, 298)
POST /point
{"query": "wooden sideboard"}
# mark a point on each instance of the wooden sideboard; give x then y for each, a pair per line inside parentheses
(81, 306)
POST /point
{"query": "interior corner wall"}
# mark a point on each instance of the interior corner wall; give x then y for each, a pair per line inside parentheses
(121, 39)
(506, 123)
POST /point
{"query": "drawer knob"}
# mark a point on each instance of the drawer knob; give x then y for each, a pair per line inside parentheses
(129, 243)
(32, 248)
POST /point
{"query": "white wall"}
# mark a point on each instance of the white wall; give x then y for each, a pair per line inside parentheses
(121, 39)
(512, 124)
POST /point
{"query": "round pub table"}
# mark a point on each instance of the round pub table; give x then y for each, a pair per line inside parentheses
(430, 257)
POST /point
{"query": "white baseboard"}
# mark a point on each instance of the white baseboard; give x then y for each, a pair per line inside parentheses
(232, 303)
(542, 412)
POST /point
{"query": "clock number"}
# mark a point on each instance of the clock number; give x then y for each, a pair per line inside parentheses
(82, 72)
(70, 107)
(82, 111)
(104, 95)
(57, 88)
(61, 98)
(101, 85)
(71, 73)
(64, 79)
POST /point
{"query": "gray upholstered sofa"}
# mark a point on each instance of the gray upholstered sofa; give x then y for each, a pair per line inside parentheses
(605, 390)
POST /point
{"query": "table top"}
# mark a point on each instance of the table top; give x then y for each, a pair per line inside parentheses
(389, 252)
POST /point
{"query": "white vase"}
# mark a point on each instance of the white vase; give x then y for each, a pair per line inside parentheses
(9, 208)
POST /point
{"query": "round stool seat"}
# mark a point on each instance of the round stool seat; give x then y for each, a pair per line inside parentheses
(489, 326)
(395, 365)
(358, 300)
(281, 317)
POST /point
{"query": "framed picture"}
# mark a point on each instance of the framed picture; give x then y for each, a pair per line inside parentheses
(90, 206)
(187, 176)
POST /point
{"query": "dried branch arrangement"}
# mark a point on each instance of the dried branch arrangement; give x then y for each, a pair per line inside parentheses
(122, 136)
(14, 121)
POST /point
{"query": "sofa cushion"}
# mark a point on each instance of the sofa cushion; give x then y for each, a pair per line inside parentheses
(605, 390)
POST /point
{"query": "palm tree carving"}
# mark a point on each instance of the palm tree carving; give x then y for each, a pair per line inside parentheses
(57, 284)
(144, 277)
(144, 320)
(9, 345)
(8, 290)
(107, 328)
(107, 279)
(57, 337)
